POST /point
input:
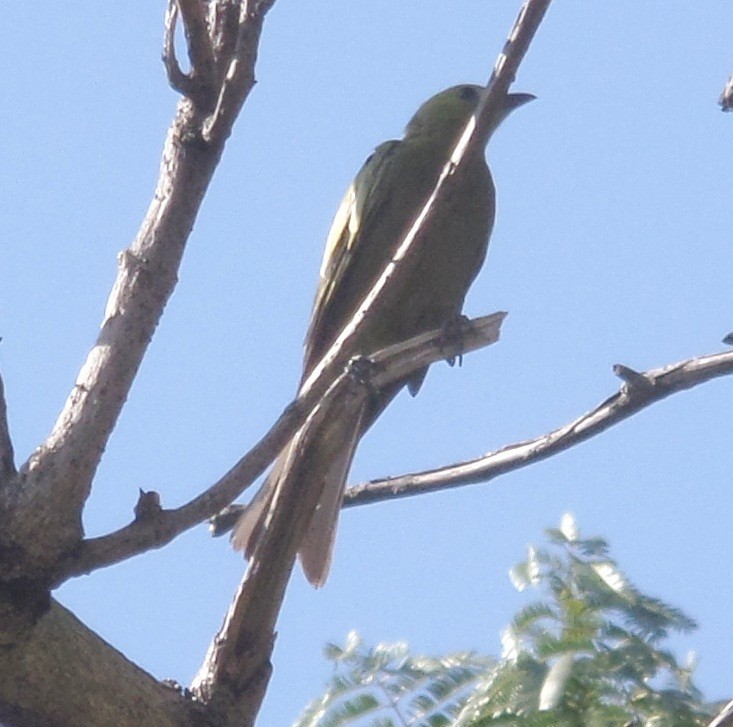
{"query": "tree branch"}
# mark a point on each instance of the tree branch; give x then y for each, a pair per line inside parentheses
(239, 77)
(154, 527)
(199, 40)
(44, 512)
(724, 718)
(62, 673)
(200, 84)
(178, 80)
(639, 392)
(236, 668)
(7, 457)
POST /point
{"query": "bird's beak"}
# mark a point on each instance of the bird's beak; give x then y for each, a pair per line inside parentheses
(515, 100)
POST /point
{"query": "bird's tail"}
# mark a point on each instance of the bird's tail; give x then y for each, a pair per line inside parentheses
(314, 459)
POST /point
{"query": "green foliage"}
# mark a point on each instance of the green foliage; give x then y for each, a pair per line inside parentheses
(590, 654)
(386, 687)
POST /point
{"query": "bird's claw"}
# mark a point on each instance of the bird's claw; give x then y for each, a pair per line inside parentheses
(451, 336)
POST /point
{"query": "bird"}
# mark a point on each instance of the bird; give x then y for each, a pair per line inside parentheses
(386, 195)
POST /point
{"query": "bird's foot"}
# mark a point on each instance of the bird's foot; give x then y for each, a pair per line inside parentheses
(451, 336)
(362, 370)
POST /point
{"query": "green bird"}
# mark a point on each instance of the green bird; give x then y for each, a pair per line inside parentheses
(383, 200)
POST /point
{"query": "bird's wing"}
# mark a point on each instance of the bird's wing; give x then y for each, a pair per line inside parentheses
(333, 307)
(362, 200)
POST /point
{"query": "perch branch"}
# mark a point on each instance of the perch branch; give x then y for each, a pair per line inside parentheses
(157, 527)
(633, 396)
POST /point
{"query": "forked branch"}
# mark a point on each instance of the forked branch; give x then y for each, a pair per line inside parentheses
(44, 512)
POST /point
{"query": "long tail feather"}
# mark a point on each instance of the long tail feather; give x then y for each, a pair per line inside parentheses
(322, 463)
(316, 549)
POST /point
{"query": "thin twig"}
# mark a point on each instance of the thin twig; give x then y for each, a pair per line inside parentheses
(178, 80)
(159, 527)
(7, 457)
(200, 84)
(200, 51)
(509, 458)
(238, 79)
(505, 71)
(659, 384)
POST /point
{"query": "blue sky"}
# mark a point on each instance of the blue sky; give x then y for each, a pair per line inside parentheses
(612, 244)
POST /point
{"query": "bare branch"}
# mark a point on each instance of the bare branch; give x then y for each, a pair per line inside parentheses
(238, 79)
(7, 457)
(691, 372)
(657, 384)
(44, 513)
(725, 718)
(200, 51)
(224, 29)
(178, 80)
(159, 528)
(505, 70)
(396, 362)
(154, 527)
(236, 668)
(239, 657)
(62, 673)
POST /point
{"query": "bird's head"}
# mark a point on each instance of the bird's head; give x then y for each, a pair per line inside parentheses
(447, 112)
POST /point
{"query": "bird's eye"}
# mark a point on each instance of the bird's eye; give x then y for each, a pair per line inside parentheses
(467, 93)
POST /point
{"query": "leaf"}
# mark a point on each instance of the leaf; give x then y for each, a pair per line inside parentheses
(554, 684)
(569, 528)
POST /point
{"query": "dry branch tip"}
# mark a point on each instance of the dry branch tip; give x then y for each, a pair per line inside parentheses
(148, 505)
(631, 377)
(178, 80)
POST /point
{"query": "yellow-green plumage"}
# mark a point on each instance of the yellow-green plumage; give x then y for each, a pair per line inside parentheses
(385, 197)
